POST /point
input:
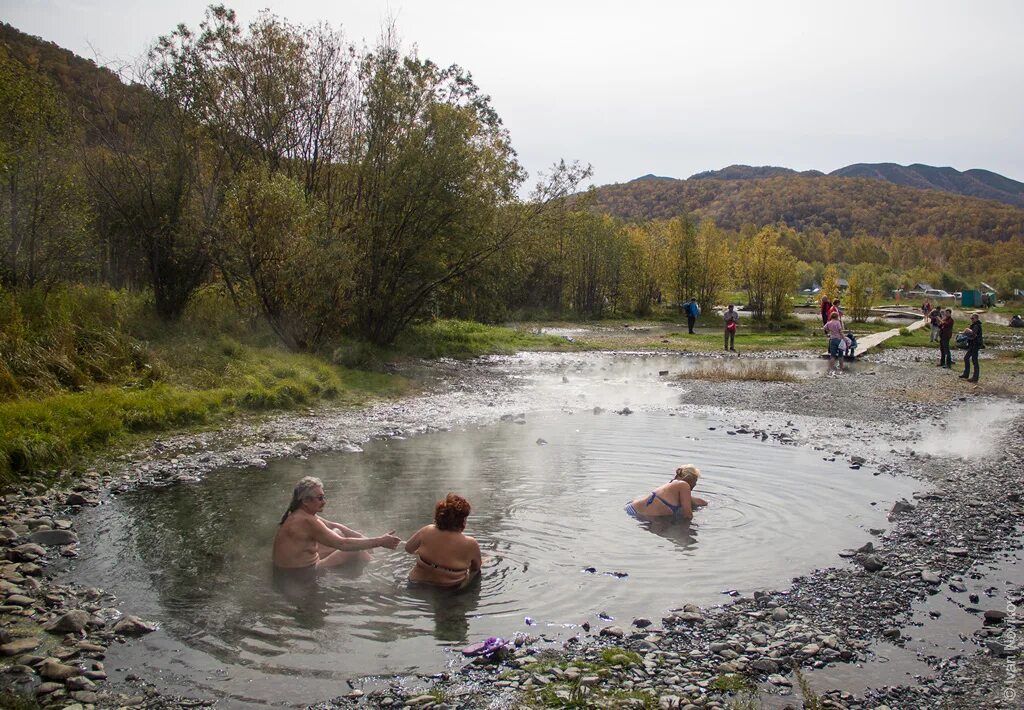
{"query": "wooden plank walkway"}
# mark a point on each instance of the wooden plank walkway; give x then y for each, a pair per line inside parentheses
(868, 342)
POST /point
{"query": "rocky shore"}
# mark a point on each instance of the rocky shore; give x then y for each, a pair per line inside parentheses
(740, 654)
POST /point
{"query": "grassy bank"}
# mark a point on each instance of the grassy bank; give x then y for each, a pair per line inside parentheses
(215, 382)
(83, 369)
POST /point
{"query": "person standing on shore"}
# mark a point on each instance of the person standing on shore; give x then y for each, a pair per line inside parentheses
(692, 311)
(826, 306)
(732, 319)
(974, 344)
(837, 311)
(945, 333)
(834, 328)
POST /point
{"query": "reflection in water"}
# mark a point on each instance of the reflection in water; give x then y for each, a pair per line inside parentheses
(451, 608)
(681, 532)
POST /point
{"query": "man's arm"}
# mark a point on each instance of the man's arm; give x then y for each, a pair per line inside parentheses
(341, 529)
(413, 543)
(325, 536)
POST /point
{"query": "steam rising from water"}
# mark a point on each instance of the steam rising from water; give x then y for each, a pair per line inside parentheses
(969, 431)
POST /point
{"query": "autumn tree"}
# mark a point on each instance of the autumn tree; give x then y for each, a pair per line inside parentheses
(642, 267)
(714, 269)
(682, 259)
(830, 283)
(862, 291)
(273, 244)
(770, 274)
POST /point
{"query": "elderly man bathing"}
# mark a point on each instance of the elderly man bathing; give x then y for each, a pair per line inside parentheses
(307, 542)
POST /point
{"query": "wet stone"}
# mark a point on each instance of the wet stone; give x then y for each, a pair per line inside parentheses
(53, 669)
(72, 622)
(19, 646)
(53, 538)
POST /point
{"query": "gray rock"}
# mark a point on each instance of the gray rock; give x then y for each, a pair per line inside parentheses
(73, 622)
(765, 665)
(901, 506)
(79, 682)
(997, 648)
(776, 679)
(53, 538)
(780, 614)
(872, 563)
(134, 626)
(994, 616)
(929, 577)
(20, 646)
(28, 551)
(48, 687)
(52, 669)
(642, 623)
(613, 631)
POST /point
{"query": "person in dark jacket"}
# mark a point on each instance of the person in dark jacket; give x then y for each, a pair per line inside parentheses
(974, 344)
(826, 306)
(945, 333)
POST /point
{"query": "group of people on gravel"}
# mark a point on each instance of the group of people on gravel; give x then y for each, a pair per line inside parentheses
(306, 544)
(942, 326)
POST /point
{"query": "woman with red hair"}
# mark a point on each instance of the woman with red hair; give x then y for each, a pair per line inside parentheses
(445, 556)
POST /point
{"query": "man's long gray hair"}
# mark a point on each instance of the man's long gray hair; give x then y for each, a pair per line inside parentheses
(303, 490)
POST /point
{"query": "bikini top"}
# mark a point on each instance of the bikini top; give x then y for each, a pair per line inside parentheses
(441, 567)
(674, 508)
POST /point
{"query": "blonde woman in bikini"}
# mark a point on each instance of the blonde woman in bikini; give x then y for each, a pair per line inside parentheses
(674, 499)
(445, 556)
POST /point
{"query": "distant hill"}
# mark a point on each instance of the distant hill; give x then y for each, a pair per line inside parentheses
(652, 176)
(88, 87)
(972, 183)
(850, 205)
(749, 172)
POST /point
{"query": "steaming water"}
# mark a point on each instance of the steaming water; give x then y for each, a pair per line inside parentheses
(547, 492)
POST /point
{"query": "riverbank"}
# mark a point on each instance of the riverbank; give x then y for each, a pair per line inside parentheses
(895, 387)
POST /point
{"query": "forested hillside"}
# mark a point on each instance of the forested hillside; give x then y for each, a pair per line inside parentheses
(848, 205)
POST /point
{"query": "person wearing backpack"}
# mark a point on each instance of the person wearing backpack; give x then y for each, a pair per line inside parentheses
(692, 311)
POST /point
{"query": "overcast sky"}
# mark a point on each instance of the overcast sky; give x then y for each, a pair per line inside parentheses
(674, 88)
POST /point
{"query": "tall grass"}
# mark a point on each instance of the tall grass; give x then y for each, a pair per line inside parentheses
(83, 368)
(453, 338)
(717, 371)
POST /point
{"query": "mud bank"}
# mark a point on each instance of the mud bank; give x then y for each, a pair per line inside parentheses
(957, 541)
